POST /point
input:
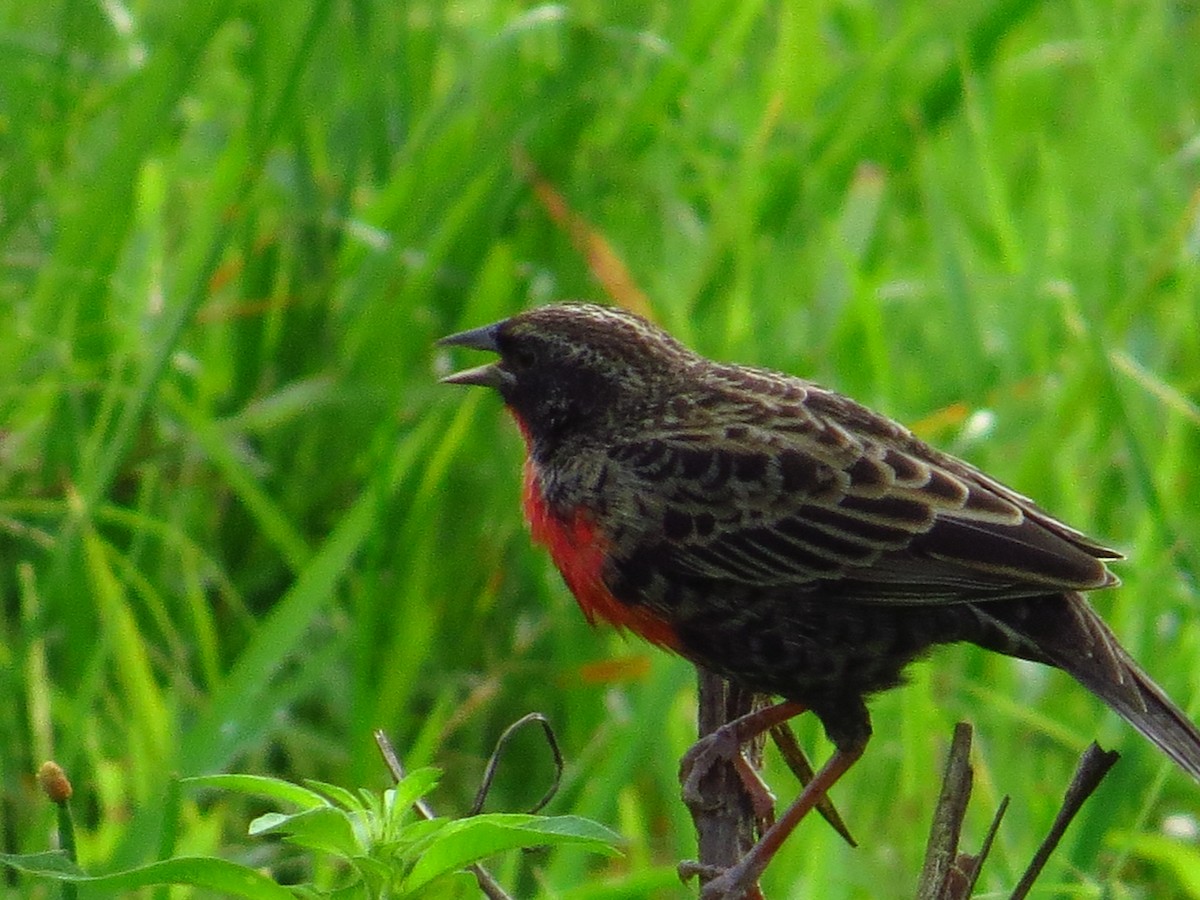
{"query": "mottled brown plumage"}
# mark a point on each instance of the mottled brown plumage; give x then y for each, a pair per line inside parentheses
(783, 535)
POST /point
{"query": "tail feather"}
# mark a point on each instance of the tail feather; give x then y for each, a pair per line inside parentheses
(1070, 636)
(1142, 704)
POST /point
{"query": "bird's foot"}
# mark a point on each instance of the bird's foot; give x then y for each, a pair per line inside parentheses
(711, 750)
(717, 884)
(725, 745)
(729, 886)
(705, 754)
(741, 879)
(690, 868)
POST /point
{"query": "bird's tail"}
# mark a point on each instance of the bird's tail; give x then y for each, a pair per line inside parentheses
(1069, 635)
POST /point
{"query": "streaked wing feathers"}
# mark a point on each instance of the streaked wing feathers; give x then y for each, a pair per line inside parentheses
(877, 518)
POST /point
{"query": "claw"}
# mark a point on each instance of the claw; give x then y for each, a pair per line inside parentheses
(762, 800)
(720, 746)
(689, 869)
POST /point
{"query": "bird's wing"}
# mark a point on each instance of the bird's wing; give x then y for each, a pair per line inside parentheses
(829, 493)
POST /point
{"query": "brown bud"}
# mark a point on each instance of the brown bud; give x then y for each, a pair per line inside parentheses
(54, 782)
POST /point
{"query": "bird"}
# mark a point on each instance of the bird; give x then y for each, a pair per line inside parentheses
(787, 537)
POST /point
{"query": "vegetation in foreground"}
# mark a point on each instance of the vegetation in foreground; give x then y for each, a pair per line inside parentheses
(241, 526)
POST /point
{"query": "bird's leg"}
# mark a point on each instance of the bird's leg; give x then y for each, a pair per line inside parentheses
(734, 883)
(725, 745)
(789, 749)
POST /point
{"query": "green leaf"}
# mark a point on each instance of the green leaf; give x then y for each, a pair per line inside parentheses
(415, 836)
(53, 863)
(390, 818)
(197, 871)
(416, 784)
(466, 841)
(261, 786)
(574, 828)
(327, 829)
(336, 794)
(375, 871)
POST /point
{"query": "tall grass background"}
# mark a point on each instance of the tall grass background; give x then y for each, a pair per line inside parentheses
(241, 525)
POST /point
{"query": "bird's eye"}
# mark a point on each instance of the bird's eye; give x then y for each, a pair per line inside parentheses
(522, 358)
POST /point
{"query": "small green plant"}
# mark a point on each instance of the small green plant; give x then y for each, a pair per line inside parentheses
(388, 848)
(385, 842)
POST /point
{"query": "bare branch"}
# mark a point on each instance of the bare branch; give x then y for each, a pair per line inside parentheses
(1093, 766)
(942, 850)
(724, 819)
(494, 761)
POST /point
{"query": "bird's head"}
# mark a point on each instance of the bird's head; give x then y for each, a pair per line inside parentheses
(574, 369)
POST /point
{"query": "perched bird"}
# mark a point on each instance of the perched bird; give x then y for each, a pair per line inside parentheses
(787, 537)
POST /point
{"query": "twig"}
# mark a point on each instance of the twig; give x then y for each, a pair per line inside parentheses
(942, 850)
(1093, 766)
(949, 873)
(725, 820)
(967, 868)
(494, 761)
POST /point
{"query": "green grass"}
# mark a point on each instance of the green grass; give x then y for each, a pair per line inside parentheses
(241, 525)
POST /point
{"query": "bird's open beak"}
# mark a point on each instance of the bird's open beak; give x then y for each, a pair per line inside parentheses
(477, 338)
(492, 375)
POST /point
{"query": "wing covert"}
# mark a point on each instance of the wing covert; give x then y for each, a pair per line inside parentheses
(876, 518)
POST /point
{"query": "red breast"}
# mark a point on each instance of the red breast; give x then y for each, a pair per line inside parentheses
(579, 549)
